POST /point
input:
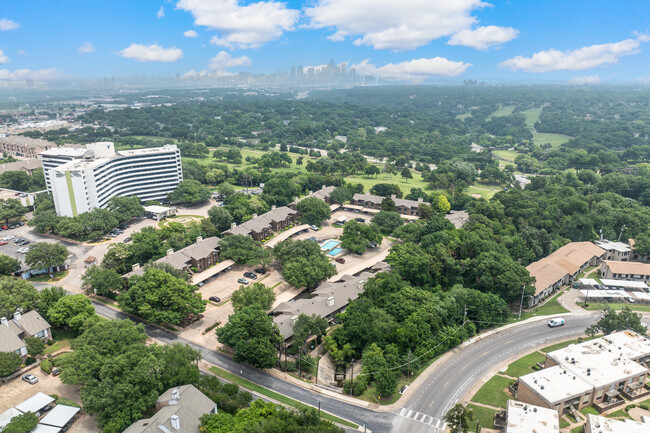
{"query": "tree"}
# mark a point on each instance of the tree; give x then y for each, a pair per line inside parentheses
(35, 346)
(341, 195)
(72, 312)
(125, 208)
(306, 326)
(406, 173)
(160, 297)
(459, 418)
(11, 208)
(253, 335)
(642, 243)
(610, 321)
(48, 298)
(498, 273)
(226, 189)
(371, 170)
(388, 205)
(255, 294)
(441, 204)
(220, 217)
(103, 281)
(242, 249)
(16, 295)
(45, 255)
(23, 423)
(9, 363)
(387, 222)
(303, 263)
(386, 190)
(189, 192)
(386, 381)
(8, 264)
(357, 236)
(313, 211)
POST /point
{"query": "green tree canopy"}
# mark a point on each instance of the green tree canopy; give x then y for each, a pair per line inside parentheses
(35, 346)
(103, 281)
(46, 254)
(387, 222)
(23, 423)
(189, 192)
(220, 217)
(253, 335)
(16, 294)
(8, 264)
(341, 194)
(242, 249)
(72, 312)
(306, 326)
(313, 211)
(9, 363)
(255, 294)
(459, 418)
(160, 297)
(303, 263)
(611, 321)
(357, 236)
(48, 298)
(125, 208)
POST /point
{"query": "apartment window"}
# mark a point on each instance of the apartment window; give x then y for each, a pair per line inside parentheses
(600, 394)
(585, 399)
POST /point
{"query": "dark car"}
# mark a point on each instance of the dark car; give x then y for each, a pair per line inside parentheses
(250, 275)
(56, 371)
(215, 299)
(361, 220)
(260, 271)
(127, 240)
(25, 242)
(339, 260)
(20, 223)
(18, 240)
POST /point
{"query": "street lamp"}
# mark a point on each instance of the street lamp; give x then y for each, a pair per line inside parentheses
(352, 376)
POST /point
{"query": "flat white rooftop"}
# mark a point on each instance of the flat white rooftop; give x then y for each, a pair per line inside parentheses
(556, 384)
(526, 418)
(610, 245)
(34, 403)
(593, 293)
(156, 209)
(625, 284)
(148, 150)
(600, 424)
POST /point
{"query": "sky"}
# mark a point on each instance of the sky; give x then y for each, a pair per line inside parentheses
(418, 41)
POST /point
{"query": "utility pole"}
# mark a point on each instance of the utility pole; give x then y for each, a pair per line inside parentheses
(621, 233)
(409, 371)
(352, 378)
(464, 314)
(299, 370)
(285, 357)
(318, 408)
(521, 304)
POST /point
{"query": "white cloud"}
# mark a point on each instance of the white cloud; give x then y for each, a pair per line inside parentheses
(6, 24)
(240, 26)
(86, 48)
(151, 53)
(483, 37)
(3, 58)
(390, 24)
(224, 60)
(190, 34)
(585, 79)
(21, 52)
(195, 74)
(415, 70)
(643, 80)
(575, 60)
(161, 12)
(27, 74)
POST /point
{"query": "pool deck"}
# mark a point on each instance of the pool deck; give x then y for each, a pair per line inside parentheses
(330, 245)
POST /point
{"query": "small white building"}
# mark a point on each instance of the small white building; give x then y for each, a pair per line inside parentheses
(600, 424)
(527, 418)
(615, 250)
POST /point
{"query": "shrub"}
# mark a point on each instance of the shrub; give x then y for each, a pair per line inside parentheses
(358, 387)
(29, 360)
(9, 363)
(46, 366)
(629, 406)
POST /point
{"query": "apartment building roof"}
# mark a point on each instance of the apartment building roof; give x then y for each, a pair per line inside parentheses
(324, 192)
(186, 403)
(526, 418)
(377, 199)
(279, 214)
(23, 164)
(197, 251)
(31, 322)
(259, 223)
(9, 341)
(27, 141)
(600, 424)
(556, 384)
(630, 268)
(610, 245)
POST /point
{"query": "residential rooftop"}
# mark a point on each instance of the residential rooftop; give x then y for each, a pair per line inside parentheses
(526, 418)
(600, 424)
(556, 384)
(611, 245)
(631, 268)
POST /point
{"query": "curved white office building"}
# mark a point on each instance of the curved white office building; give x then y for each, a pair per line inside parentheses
(81, 179)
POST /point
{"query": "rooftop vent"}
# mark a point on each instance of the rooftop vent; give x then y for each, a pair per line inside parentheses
(17, 315)
(176, 422)
(169, 252)
(3, 321)
(135, 267)
(199, 239)
(330, 301)
(176, 395)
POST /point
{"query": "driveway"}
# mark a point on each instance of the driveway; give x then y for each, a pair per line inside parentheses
(18, 390)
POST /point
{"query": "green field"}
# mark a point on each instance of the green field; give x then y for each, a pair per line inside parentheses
(508, 155)
(618, 306)
(404, 184)
(524, 365)
(494, 393)
(503, 110)
(484, 415)
(463, 116)
(486, 191)
(532, 116)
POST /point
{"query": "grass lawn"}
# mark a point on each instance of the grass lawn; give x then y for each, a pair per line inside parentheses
(503, 110)
(554, 140)
(564, 423)
(484, 415)
(404, 184)
(45, 278)
(463, 116)
(486, 191)
(550, 308)
(494, 393)
(508, 155)
(371, 394)
(578, 429)
(619, 414)
(566, 343)
(618, 306)
(596, 276)
(274, 395)
(532, 116)
(61, 340)
(571, 418)
(589, 410)
(524, 365)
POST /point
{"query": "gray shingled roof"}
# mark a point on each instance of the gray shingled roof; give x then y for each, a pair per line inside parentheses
(196, 251)
(24, 164)
(377, 199)
(26, 141)
(279, 214)
(324, 193)
(9, 341)
(191, 405)
(32, 322)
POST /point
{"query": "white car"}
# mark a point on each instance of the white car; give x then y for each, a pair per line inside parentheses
(10, 237)
(556, 322)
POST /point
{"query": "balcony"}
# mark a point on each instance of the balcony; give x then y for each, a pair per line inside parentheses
(612, 400)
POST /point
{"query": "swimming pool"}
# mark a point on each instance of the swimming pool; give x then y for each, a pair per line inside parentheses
(335, 251)
(329, 245)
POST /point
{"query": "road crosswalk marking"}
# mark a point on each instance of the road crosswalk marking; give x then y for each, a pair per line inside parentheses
(422, 417)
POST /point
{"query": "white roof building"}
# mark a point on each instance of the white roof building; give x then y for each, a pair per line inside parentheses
(34, 403)
(600, 424)
(556, 384)
(7, 415)
(60, 415)
(526, 418)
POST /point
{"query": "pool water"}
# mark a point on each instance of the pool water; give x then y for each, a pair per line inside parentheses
(330, 244)
(335, 251)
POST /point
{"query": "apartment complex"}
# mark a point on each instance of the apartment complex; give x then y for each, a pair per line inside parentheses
(595, 372)
(82, 179)
(13, 332)
(261, 227)
(373, 202)
(563, 266)
(526, 418)
(178, 410)
(600, 424)
(17, 145)
(619, 251)
(26, 165)
(631, 271)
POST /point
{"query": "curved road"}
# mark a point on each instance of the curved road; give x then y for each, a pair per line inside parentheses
(423, 410)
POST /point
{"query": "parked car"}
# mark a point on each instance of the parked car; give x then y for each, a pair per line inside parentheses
(12, 226)
(361, 220)
(260, 271)
(30, 378)
(56, 371)
(3, 242)
(242, 281)
(127, 240)
(250, 275)
(8, 238)
(215, 299)
(371, 245)
(553, 323)
(20, 223)
(339, 260)
(18, 240)
(314, 227)
(5, 227)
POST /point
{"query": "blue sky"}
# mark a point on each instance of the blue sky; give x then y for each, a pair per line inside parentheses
(597, 41)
